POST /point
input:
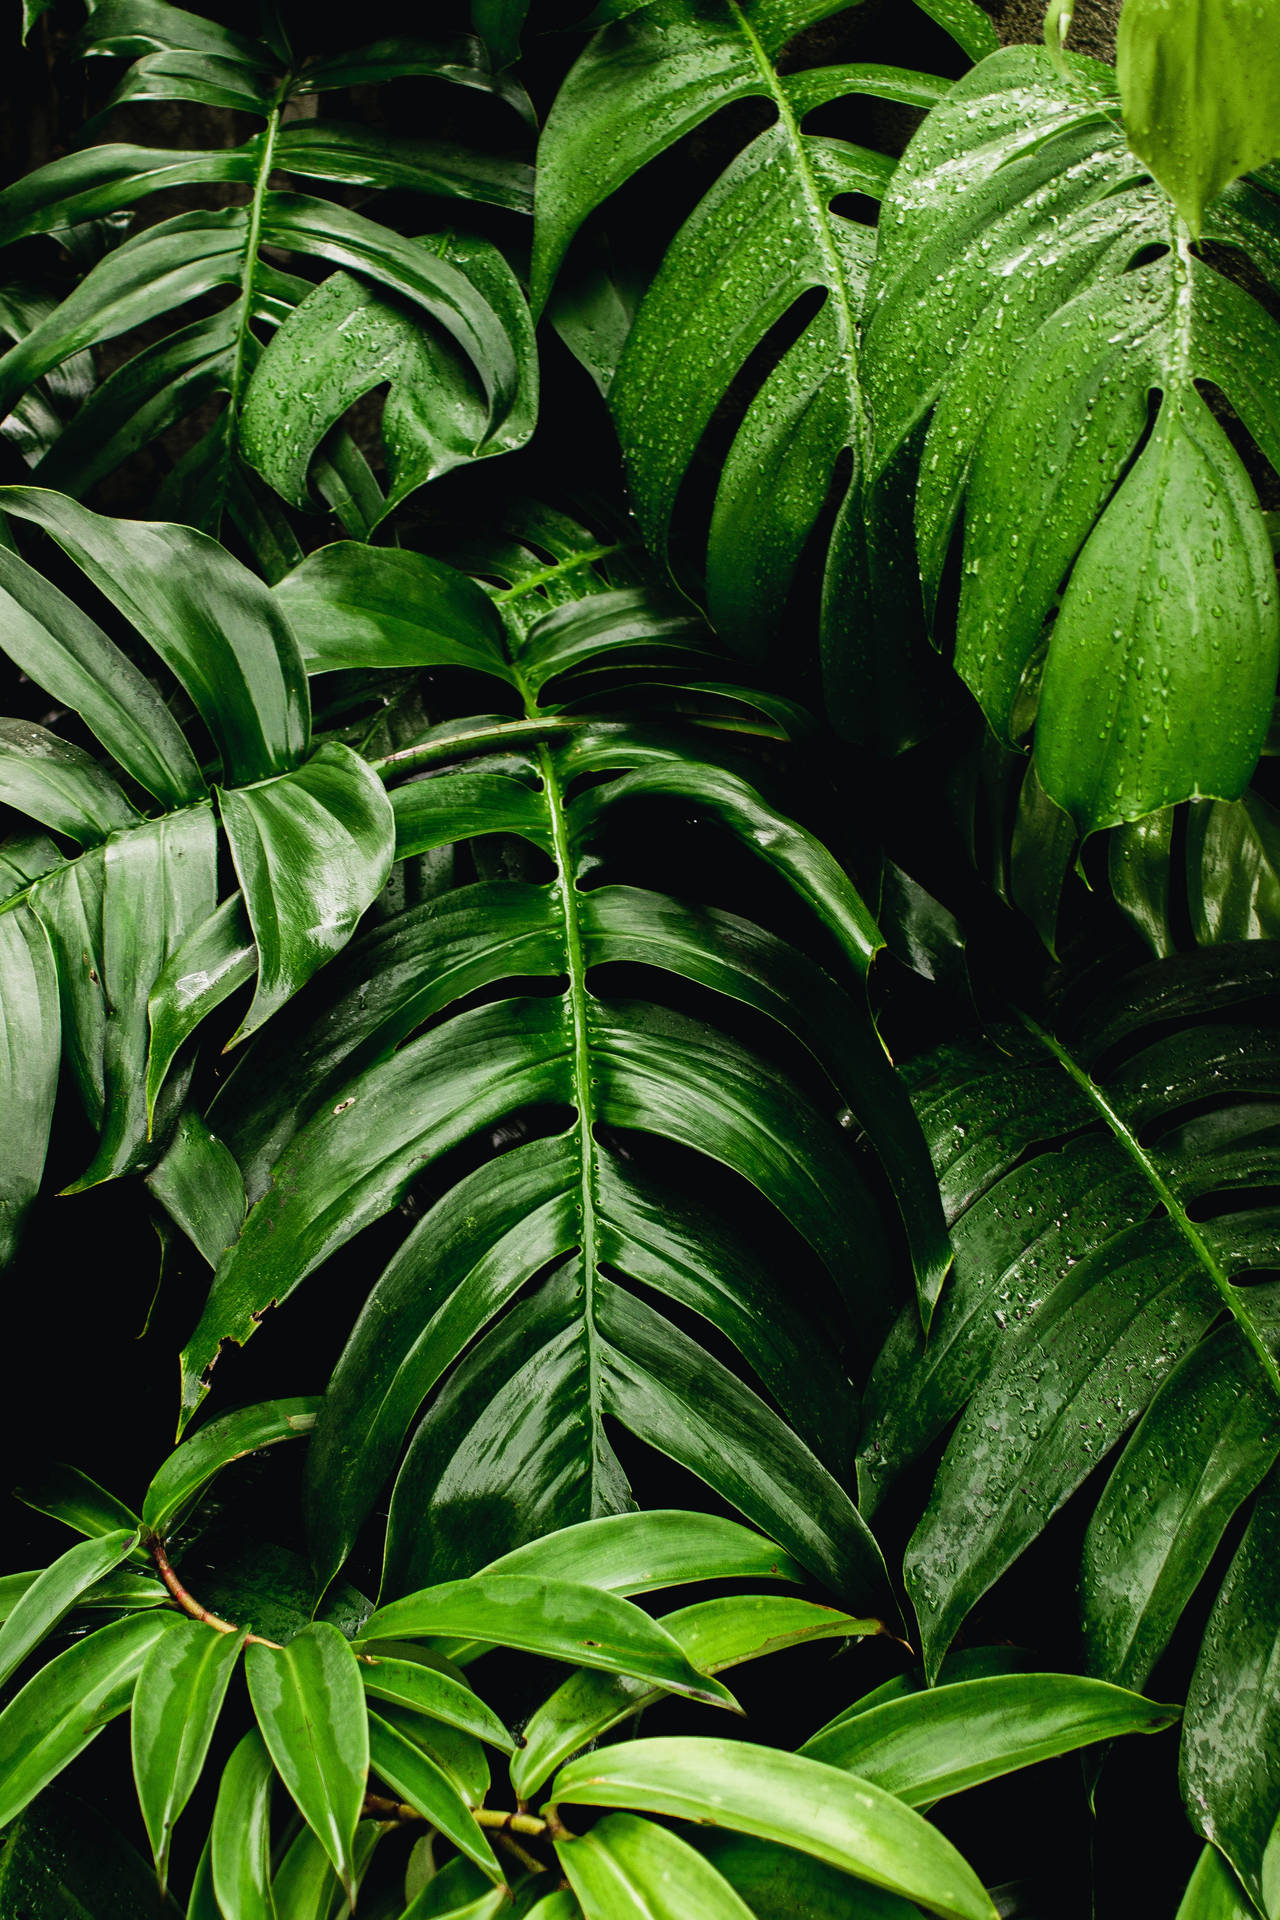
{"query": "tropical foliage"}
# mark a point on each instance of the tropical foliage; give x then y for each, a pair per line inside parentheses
(640, 822)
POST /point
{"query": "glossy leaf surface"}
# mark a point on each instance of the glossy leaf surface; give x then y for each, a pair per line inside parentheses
(55, 1591)
(176, 1704)
(190, 1468)
(630, 1865)
(309, 1704)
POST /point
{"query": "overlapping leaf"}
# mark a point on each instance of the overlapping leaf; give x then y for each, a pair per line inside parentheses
(1115, 1237)
(86, 935)
(766, 235)
(459, 303)
(333, 1127)
(1040, 337)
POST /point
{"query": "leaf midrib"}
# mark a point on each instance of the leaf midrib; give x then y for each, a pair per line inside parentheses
(1168, 1199)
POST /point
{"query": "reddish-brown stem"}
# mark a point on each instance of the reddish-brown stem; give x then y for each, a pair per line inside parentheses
(189, 1603)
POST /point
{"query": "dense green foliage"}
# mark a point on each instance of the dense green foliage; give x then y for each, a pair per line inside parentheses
(638, 821)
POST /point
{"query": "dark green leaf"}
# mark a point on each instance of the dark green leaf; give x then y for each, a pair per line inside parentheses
(67, 1494)
(357, 606)
(216, 957)
(30, 1051)
(59, 784)
(312, 850)
(62, 1861)
(778, 1884)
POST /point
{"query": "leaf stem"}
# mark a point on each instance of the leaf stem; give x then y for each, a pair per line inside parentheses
(190, 1605)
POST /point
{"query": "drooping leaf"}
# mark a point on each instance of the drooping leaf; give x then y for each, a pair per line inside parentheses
(630, 1865)
(55, 1591)
(417, 1779)
(30, 1052)
(924, 1746)
(66, 1493)
(777, 1883)
(240, 1839)
(312, 851)
(1200, 86)
(309, 1703)
(776, 1796)
(68, 1702)
(189, 1469)
(558, 1618)
(1020, 329)
(176, 1704)
(422, 1689)
(715, 1634)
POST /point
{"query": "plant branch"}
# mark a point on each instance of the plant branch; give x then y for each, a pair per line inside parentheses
(189, 1603)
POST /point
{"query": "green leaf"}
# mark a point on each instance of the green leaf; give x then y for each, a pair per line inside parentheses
(715, 1634)
(55, 1591)
(67, 1494)
(1230, 1766)
(309, 1704)
(778, 1884)
(70, 656)
(1213, 1892)
(638, 1552)
(927, 1745)
(187, 1472)
(30, 1051)
(357, 606)
(68, 1702)
(778, 1796)
(176, 1704)
(629, 1865)
(213, 623)
(1200, 84)
(1026, 318)
(305, 1886)
(345, 339)
(240, 1850)
(312, 851)
(62, 1860)
(559, 1618)
(200, 1186)
(216, 957)
(416, 1778)
(422, 1689)
(59, 784)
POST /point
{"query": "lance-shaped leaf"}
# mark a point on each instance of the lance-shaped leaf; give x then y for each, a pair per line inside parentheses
(30, 1053)
(1213, 1892)
(558, 1618)
(305, 1886)
(67, 1494)
(68, 1702)
(312, 850)
(715, 1634)
(638, 1552)
(1200, 85)
(59, 784)
(189, 1469)
(924, 1746)
(1025, 317)
(422, 1689)
(417, 1779)
(212, 622)
(240, 1839)
(68, 654)
(777, 1796)
(629, 1865)
(176, 1704)
(773, 1881)
(216, 957)
(55, 1591)
(309, 1703)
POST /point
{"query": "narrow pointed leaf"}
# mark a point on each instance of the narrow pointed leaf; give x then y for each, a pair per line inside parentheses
(925, 1746)
(309, 1703)
(55, 1591)
(59, 784)
(422, 1689)
(216, 957)
(778, 1796)
(557, 1618)
(68, 1702)
(423, 1785)
(30, 1052)
(67, 1494)
(176, 1704)
(240, 1849)
(628, 1865)
(189, 1469)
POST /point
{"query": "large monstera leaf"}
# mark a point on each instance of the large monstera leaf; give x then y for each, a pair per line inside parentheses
(462, 300)
(91, 919)
(1043, 347)
(765, 236)
(1111, 1194)
(562, 1284)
